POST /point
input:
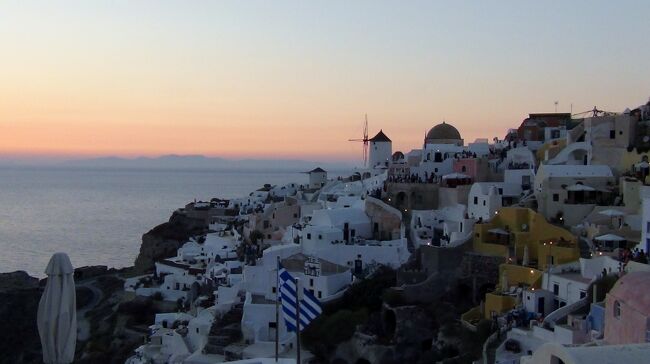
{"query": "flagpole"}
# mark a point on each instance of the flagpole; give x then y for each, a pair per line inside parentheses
(297, 321)
(277, 308)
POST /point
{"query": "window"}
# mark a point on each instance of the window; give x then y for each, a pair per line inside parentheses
(463, 169)
(435, 170)
(612, 134)
(320, 237)
(583, 294)
(311, 282)
(295, 216)
(501, 191)
(483, 202)
(556, 197)
(320, 294)
(476, 203)
(617, 309)
(308, 236)
(556, 289)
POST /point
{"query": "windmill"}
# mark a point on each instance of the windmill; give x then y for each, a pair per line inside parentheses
(364, 140)
(595, 112)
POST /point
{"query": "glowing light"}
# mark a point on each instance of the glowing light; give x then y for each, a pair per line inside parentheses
(532, 271)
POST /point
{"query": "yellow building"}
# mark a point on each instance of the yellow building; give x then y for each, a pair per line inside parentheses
(505, 298)
(515, 231)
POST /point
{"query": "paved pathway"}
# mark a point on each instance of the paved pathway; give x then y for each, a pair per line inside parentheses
(83, 324)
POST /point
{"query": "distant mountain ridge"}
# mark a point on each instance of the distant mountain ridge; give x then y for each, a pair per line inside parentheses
(203, 162)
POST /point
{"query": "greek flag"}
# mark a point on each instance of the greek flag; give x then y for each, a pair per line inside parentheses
(309, 305)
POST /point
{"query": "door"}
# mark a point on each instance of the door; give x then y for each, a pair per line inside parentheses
(346, 232)
(540, 305)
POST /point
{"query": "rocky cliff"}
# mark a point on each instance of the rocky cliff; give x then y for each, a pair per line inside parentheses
(19, 296)
(164, 240)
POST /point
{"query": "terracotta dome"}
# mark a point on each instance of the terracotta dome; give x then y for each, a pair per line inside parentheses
(443, 131)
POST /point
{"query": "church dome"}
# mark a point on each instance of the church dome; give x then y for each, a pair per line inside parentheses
(443, 131)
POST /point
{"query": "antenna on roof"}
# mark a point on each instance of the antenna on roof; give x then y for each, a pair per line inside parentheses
(364, 140)
(556, 102)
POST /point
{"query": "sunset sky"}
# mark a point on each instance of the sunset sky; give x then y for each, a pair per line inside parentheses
(293, 79)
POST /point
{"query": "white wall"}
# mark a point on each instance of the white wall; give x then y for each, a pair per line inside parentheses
(379, 153)
(255, 322)
(568, 289)
(644, 244)
(481, 205)
(392, 253)
(325, 286)
(317, 179)
(516, 176)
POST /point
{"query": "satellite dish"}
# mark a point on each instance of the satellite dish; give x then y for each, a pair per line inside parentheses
(646, 139)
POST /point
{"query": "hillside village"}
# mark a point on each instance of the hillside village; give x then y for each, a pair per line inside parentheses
(538, 243)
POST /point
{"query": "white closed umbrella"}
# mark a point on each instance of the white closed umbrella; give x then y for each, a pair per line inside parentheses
(504, 281)
(57, 312)
(526, 258)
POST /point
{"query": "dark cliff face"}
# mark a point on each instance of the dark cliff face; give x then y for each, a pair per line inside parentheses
(164, 240)
(19, 297)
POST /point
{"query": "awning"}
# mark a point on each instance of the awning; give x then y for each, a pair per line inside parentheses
(579, 187)
(612, 213)
(455, 176)
(609, 237)
(498, 231)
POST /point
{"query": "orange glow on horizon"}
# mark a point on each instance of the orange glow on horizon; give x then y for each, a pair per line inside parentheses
(294, 79)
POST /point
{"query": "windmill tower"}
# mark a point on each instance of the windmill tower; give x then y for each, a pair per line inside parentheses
(381, 150)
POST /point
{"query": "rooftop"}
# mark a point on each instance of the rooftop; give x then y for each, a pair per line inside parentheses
(380, 137)
(443, 131)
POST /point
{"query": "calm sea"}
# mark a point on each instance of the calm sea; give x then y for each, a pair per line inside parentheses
(98, 216)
